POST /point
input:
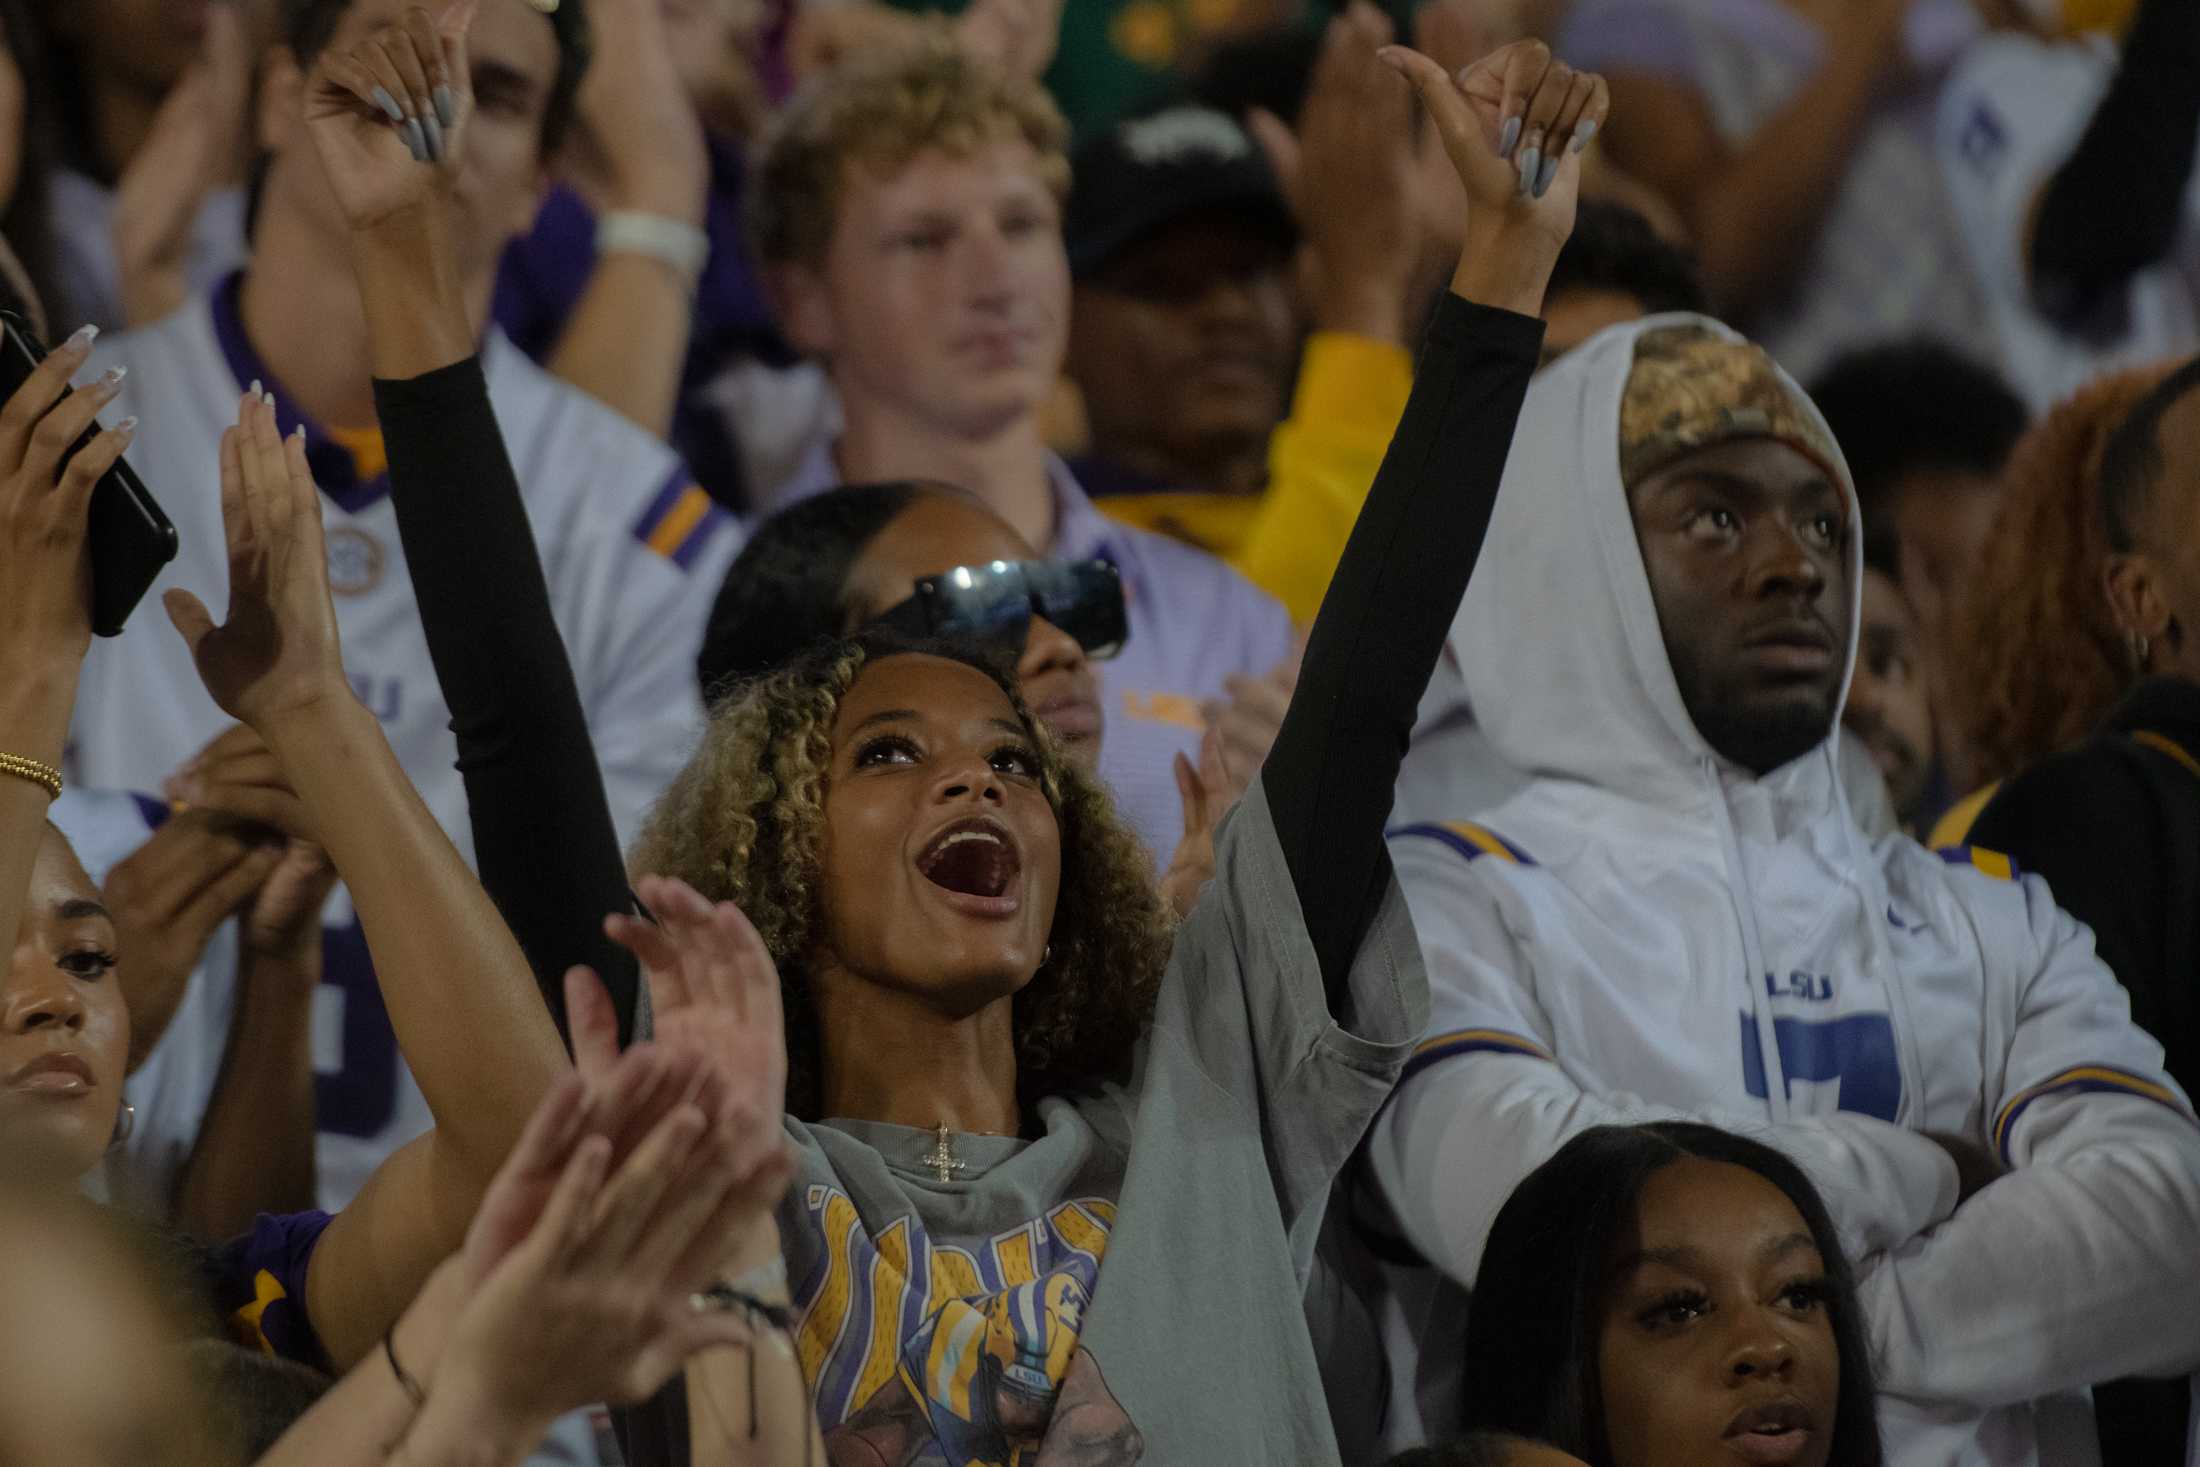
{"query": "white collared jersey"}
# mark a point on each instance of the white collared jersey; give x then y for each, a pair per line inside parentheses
(1648, 931)
(2012, 112)
(633, 554)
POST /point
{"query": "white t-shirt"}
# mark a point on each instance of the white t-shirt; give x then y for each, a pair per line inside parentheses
(633, 554)
(2013, 111)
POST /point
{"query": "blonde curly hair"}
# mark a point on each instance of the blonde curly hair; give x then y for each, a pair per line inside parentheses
(744, 822)
(2044, 661)
(878, 111)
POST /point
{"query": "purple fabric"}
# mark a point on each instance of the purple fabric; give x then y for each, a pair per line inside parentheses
(334, 469)
(260, 1286)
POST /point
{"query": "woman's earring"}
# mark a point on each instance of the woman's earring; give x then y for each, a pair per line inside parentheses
(125, 1125)
(2140, 648)
(1047, 956)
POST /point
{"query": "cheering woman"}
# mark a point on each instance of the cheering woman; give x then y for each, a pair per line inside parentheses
(1059, 1171)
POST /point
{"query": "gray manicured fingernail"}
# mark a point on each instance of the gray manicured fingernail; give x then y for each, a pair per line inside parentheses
(1545, 175)
(1584, 135)
(83, 336)
(446, 107)
(434, 131)
(416, 140)
(1531, 158)
(388, 104)
(1507, 138)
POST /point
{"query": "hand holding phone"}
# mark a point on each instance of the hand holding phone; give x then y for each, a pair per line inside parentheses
(50, 443)
(45, 566)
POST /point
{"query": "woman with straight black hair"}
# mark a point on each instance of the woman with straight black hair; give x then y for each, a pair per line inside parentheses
(1671, 1294)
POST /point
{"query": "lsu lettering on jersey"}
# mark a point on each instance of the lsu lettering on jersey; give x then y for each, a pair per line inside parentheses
(2012, 112)
(1648, 931)
(633, 554)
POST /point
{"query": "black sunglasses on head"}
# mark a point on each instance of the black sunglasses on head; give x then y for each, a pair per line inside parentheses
(995, 603)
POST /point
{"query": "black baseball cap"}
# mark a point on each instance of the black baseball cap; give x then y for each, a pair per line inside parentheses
(1154, 168)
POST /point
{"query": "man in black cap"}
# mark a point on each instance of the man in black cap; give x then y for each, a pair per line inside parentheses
(1183, 328)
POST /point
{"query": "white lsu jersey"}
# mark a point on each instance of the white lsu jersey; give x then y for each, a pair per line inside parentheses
(633, 553)
(2012, 112)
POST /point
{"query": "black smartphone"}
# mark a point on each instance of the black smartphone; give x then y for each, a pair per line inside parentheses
(130, 538)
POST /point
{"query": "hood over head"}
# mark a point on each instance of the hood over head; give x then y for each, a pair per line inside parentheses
(1557, 638)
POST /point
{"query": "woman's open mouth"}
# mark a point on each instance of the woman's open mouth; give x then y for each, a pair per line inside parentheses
(976, 861)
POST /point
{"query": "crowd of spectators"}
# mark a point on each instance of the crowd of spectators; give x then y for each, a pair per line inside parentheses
(969, 732)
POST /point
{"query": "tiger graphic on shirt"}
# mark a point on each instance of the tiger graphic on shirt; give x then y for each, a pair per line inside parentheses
(935, 1355)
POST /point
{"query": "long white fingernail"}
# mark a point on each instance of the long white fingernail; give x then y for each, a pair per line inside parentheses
(84, 335)
(253, 391)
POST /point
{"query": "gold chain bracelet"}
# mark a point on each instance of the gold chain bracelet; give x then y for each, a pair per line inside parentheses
(45, 776)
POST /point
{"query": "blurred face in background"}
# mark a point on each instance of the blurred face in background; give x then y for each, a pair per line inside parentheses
(1183, 343)
(1890, 702)
(514, 55)
(938, 532)
(943, 299)
(91, 1368)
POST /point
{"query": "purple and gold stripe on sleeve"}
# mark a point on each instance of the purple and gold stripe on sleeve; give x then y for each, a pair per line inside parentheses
(2081, 1078)
(1470, 1041)
(1469, 840)
(680, 520)
(1992, 863)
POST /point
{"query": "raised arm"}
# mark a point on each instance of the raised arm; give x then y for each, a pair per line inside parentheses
(1329, 777)
(1754, 207)
(45, 612)
(483, 601)
(457, 988)
(2133, 165)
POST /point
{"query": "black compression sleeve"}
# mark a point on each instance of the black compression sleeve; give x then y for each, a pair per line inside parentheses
(2114, 206)
(543, 838)
(1330, 775)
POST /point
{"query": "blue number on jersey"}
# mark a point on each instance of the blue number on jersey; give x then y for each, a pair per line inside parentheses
(1857, 1051)
(361, 1098)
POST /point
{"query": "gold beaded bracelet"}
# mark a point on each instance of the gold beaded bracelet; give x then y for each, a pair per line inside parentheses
(45, 776)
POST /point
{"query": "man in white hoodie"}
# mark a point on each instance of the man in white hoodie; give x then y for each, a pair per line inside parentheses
(1681, 916)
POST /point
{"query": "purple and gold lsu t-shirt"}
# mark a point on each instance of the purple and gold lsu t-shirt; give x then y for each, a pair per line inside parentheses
(260, 1286)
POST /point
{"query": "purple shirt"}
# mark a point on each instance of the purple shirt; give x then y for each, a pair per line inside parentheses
(1193, 622)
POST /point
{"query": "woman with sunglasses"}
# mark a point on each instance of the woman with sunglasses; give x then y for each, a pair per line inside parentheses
(933, 561)
(1061, 1171)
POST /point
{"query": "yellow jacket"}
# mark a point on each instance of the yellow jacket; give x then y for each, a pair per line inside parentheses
(1321, 462)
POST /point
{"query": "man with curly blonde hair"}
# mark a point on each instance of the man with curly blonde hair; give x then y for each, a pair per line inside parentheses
(907, 213)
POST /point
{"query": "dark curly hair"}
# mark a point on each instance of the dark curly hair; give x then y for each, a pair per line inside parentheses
(745, 823)
(2043, 660)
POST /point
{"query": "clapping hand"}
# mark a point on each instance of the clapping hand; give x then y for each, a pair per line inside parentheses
(193, 146)
(276, 654)
(714, 1004)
